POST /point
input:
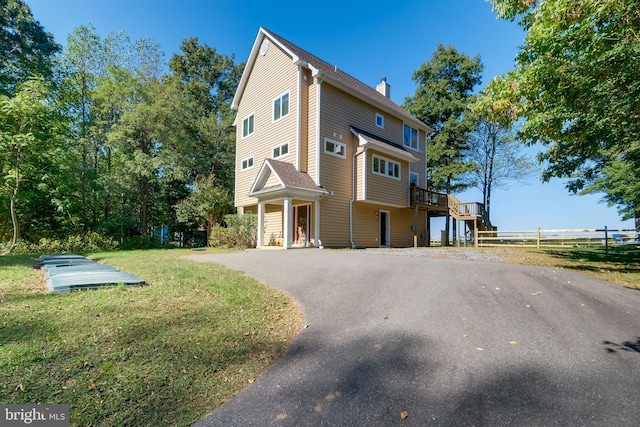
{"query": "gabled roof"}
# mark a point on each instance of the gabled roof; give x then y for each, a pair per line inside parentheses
(367, 139)
(328, 72)
(291, 182)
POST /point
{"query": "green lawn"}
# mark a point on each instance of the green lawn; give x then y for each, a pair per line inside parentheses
(162, 354)
(617, 264)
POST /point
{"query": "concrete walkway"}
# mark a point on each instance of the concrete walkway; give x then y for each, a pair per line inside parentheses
(414, 341)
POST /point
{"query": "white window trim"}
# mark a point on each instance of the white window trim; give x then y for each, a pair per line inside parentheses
(247, 160)
(417, 179)
(254, 125)
(280, 146)
(387, 161)
(382, 118)
(417, 138)
(273, 107)
(336, 143)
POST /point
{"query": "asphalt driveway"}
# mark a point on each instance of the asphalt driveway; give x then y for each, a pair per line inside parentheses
(415, 341)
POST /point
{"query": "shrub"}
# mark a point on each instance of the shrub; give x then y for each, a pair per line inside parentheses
(240, 232)
(89, 242)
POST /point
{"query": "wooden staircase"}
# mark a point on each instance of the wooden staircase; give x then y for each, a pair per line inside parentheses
(473, 214)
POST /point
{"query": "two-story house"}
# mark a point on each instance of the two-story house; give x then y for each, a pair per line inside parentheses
(322, 158)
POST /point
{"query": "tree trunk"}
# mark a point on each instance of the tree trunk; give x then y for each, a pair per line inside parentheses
(144, 208)
(14, 220)
(638, 223)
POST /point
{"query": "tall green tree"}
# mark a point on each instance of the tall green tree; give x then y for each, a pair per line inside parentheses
(498, 159)
(26, 49)
(211, 79)
(28, 131)
(442, 101)
(576, 87)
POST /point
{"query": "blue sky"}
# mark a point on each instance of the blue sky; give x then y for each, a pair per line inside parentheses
(366, 39)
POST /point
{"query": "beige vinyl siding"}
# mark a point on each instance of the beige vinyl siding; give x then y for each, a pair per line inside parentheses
(272, 181)
(420, 167)
(305, 86)
(366, 225)
(271, 76)
(311, 128)
(384, 189)
(272, 224)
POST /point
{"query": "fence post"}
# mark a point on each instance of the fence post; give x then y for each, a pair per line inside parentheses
(606, 240)
(538, 241)
(475, 237)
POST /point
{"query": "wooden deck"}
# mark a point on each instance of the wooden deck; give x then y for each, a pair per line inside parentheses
(440, 204)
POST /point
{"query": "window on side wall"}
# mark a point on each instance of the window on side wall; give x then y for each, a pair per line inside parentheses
(247, 163)
(414, 179)
(386, 167)
(280, 150)
(410, 137)
(248, 125)
(380, 120)
(335, 148)
(281, 107)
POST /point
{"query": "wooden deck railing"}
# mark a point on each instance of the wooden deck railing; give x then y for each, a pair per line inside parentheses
(444, 202)
(426, 197)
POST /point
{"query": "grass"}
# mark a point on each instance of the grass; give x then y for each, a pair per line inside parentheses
(619, 264)
(163, 354)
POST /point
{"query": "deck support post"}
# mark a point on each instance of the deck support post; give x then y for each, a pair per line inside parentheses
(260, 236)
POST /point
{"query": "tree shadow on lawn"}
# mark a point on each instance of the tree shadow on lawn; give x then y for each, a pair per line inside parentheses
(10, 260)
(619, 259)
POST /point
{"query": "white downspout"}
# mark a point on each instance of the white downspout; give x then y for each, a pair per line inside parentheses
(318, 142)
(354, 192)
(298, 124)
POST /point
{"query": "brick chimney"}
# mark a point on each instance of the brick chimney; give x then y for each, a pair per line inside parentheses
(384, 88)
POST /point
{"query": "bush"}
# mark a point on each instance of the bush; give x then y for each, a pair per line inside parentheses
(89, 242)
(240, 232)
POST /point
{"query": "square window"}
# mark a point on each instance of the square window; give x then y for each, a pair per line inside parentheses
(247, 163)
(379, 120)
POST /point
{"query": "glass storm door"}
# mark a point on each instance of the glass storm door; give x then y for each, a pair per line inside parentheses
(302, 215)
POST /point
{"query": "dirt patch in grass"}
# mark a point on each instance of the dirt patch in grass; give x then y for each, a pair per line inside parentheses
(162, 354)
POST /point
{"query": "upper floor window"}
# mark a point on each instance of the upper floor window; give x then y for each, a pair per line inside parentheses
(380, 120)
(248, 125)
(386, 167)
(414, 179)
(247, 163)
(280, 150)
(410, 137)
(335, 148)
(281, 106)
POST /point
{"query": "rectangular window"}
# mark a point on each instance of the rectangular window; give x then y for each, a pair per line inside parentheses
(248, 125)
(281, 107)
(247, 163)
(410, 137)
(386, 167)
(380, 121)
(281, 150)
(414, 179)
(335, 148)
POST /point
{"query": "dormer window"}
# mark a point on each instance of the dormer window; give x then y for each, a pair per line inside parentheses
(410, 137)
(281, 107)
(380, 120)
